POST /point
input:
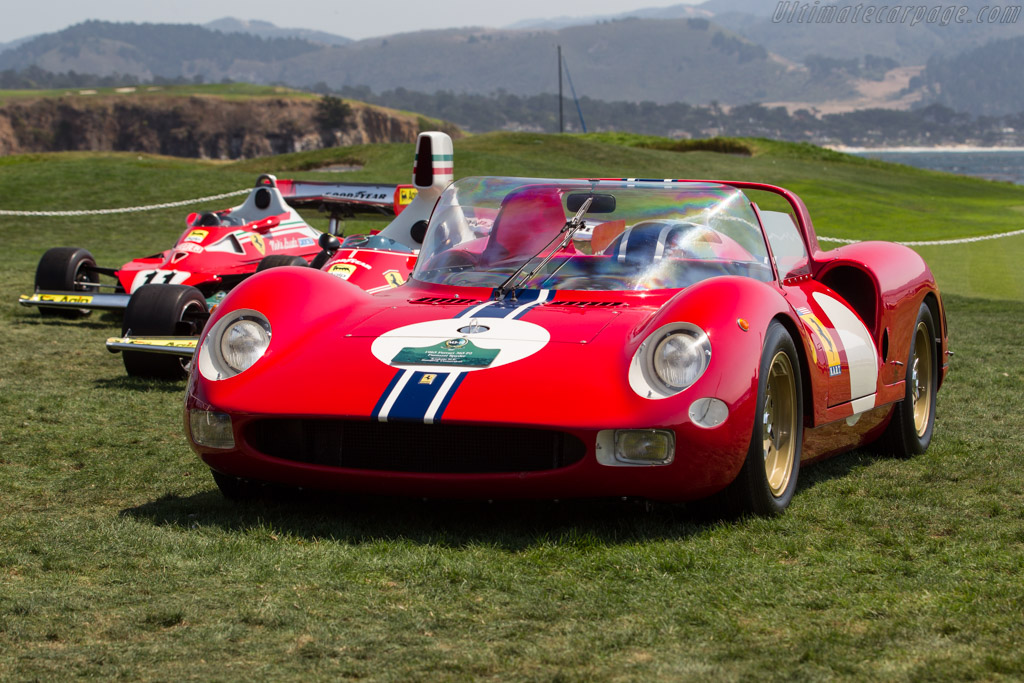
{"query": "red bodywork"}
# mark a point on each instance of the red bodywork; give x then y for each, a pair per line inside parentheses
(851, 312)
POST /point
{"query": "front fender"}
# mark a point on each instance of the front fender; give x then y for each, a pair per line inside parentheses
(735, 313)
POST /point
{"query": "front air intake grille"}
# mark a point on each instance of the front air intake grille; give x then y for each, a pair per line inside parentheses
(414, 447)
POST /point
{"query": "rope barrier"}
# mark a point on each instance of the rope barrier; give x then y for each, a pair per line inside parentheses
(130, 209)
(962, 240)
(198, 200)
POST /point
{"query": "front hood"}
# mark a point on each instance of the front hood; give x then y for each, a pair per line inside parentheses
(564, 320)
(388, 359)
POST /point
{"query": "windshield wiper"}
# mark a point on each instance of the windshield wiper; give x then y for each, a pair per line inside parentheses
(566, 233)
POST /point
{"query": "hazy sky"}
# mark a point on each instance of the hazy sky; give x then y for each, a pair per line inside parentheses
(343, 17)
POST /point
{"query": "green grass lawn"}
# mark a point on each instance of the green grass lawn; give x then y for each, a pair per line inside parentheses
(119, 558)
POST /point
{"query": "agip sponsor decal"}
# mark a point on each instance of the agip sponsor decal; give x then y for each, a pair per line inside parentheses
(196, 236)
(406, 195)
(61, 298)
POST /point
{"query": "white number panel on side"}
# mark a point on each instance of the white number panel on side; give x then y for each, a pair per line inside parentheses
(158, 277)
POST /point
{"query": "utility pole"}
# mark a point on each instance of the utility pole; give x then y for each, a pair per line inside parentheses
(561, 120)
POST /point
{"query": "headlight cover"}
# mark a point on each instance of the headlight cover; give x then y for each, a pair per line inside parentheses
(234, 344)
(670, 360)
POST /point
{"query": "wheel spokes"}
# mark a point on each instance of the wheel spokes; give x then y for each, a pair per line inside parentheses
(921, 376)
(779, 424)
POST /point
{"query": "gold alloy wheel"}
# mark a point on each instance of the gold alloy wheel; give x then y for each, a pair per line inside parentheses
(779, 424)
(922, 375)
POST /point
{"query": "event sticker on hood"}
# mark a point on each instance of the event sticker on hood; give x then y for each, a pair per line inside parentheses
(460, 344)
(454, 352)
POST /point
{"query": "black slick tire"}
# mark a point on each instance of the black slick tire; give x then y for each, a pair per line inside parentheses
(162, 311)
(60, 270)
(768, 478)
(278, 260)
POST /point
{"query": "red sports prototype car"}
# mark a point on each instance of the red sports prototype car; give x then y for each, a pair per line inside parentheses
(574, 338)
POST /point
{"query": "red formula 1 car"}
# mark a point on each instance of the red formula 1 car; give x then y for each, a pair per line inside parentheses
(217, 250)
(162, 322)
(170, 293)
(693, 346)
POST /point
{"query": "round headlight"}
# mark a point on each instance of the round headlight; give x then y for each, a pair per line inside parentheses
(233, 344)
(243, 342)
(680, 358)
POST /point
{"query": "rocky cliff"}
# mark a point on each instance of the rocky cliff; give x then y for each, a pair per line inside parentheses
(199, 127)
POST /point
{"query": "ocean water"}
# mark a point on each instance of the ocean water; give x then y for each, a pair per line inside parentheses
(994, 164)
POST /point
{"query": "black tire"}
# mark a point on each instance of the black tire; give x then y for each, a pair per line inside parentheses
(913, 419)
(236, 488)
(278, 260)
(59, 270)
(162, 310)
(768, 478)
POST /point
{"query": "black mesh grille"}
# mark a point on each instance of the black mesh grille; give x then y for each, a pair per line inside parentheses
(414, 447)
(440, 300)
(583, 304)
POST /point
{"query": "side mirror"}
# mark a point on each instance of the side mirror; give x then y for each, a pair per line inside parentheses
(602, 203)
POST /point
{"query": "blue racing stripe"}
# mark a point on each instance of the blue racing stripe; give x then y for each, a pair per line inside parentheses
(448, 397)
(387, 392)
(416, 397)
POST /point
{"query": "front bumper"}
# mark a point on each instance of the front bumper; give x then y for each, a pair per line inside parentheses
(496, 461)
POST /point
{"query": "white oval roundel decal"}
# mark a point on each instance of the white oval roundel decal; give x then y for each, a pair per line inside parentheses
(440, 346)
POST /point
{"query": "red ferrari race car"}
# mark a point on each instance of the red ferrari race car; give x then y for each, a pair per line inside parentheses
(217, 250)
(171, 292)
(660, 339)
(162, 322)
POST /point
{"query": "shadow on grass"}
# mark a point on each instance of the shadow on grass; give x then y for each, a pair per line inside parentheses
(511, 525)
(112, 324)
(129, 383)
(836, 467)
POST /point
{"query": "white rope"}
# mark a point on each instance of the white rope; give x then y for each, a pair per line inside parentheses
(171, 205)
(962, 240)
(130, 209)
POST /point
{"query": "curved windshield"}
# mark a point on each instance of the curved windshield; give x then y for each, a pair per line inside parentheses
(637, 235)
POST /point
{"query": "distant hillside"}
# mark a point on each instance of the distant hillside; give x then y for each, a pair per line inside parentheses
(656, 60)
(265, 29)
(984, 81)
(149, 50)
(671, 12)
(680, 60)
(901, 38)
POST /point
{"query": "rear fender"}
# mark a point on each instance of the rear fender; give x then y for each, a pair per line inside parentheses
(899, 281)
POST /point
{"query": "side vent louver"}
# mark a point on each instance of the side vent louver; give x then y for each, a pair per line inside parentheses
(441, 300)
(584, 304)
